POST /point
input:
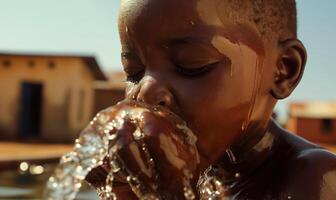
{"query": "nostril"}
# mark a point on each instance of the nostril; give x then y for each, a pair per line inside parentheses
(162, 103)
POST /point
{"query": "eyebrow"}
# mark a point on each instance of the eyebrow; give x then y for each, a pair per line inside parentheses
(192, 39)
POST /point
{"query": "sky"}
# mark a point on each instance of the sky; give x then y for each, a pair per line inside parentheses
(90, 27)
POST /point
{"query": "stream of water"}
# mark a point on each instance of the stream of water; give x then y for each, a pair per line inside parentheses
(97, 141)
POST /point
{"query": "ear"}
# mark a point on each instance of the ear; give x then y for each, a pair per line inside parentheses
(290, 67)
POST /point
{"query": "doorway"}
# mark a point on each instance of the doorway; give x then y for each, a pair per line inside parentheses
(30, 112)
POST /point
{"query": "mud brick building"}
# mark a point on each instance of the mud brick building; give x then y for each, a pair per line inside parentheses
(315, 121)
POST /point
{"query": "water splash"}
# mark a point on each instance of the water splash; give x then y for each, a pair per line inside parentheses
(210, 185)
(99, 141)
(212, 188)
(89, 151)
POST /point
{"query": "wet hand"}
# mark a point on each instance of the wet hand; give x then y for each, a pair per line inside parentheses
(152, 151)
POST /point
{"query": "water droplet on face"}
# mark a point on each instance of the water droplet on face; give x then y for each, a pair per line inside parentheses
(126, 29)
(237, 175)
(192, 23)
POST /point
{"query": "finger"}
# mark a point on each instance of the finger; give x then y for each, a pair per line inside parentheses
(130, 161)
(173, 154)
(134, 179)
(134, 154)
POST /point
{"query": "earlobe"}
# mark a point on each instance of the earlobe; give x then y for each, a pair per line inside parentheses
(289, 68)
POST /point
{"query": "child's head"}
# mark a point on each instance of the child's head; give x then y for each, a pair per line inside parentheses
(219, 64)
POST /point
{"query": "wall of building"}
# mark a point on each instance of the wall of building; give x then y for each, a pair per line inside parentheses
(105, 98)
(314, 129)
(62, 83)
(81, 105)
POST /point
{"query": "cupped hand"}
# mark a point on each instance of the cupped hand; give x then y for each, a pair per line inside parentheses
(152, 153)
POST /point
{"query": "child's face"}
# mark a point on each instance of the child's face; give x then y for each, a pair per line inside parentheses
(214, 73)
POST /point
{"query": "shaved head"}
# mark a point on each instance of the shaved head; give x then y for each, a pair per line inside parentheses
(272, 17)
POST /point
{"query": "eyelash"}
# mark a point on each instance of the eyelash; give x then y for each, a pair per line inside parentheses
(195, 71)
(135, 78)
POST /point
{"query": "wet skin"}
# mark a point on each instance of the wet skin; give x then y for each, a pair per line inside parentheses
(151, 143)
(224, 79)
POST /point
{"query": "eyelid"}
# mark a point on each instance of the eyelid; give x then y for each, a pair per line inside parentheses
(193, 72)
(199, 63)
(196, 53)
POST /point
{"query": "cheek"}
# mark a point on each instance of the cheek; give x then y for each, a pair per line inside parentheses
(223, 89)
(217, 105)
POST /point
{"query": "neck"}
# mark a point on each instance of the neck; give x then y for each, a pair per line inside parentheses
(248, 153)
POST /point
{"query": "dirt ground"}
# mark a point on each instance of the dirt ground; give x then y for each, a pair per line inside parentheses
(13, 151)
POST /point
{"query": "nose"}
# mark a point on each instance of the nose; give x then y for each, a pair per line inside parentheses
(154, 92)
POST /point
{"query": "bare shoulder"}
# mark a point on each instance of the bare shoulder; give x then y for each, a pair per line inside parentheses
(312, 174)
(309, 170)
(317, 163)
(318, 158)
(310, 155)
(303, 151)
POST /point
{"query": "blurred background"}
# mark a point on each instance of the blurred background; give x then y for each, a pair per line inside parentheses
(60, 64)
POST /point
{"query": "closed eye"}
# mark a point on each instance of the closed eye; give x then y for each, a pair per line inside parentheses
(194, 72)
